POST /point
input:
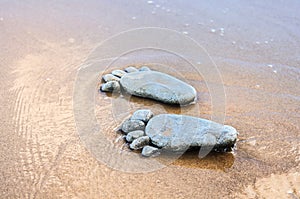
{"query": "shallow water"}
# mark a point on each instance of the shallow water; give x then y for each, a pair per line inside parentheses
(255, 46)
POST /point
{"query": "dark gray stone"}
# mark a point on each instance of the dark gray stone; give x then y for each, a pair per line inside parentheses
(139, 143)
(134, 135)
(178, 133)
(150, 151)
(110, 77)
(118, 73)
(111, 86)
(131, 69)
(145, 115)
(132, 125)
(158, 86)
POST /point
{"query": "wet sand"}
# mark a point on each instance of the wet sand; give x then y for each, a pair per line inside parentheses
(44, 44)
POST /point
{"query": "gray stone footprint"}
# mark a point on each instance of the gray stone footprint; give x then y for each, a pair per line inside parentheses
(149, 84)
(176, 133)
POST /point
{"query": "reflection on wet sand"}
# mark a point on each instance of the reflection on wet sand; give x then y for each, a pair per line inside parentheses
(218, 161)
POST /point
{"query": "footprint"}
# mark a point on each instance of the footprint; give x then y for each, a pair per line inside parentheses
(150, 84)
(176, 133)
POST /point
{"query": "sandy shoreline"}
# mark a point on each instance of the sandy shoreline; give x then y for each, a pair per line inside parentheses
(44, 44)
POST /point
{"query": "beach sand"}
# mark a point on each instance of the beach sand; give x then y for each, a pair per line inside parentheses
(255, 46)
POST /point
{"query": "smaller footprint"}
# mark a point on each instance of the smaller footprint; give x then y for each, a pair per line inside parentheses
(147, 83)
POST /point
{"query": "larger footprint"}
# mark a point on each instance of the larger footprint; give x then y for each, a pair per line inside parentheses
(176, 133)
(150, 84)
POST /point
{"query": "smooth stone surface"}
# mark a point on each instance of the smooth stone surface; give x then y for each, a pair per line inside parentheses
(134, 135)
(112, 86)
(131, 69)
(149, 151)
(158, 86)
(145, 115)
(139, 143)
(118, 73)
(132, 125)
(144, 68)
(110, 77)
(178, 133)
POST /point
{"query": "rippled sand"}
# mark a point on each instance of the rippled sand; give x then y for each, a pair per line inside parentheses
(255, 46)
